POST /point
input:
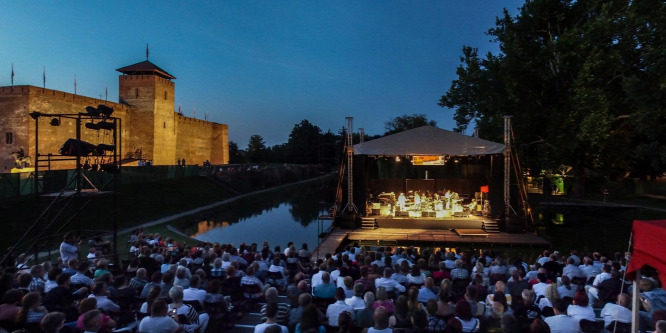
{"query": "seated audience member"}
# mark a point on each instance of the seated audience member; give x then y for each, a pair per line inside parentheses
(464, 316)
(90, 304)
(100, 293)
(528, 311)
(325, 289)
(52, 322)
(364, 317)
(384, 301)
(334, 310)
(381, 322)
(435, 324)
(400, 316)
(92, 321)
(581, 309)
(271, 313)
(193, 293)
(10, 304)
(194, 320)
(356, 301)
(561, 322)
(271, 296)
(619, 311)
(310, 321)
(389, 284)
(427, 291)
(158, 321)
(31, 309)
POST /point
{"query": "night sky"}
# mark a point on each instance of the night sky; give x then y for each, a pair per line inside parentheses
(258, 66)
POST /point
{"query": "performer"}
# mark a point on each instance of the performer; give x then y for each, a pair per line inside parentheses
(447, 197)
(417, 200)
(401, 201)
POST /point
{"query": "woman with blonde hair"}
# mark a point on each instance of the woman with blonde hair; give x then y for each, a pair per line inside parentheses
(32, 310)
(546, 303)
(499, 287)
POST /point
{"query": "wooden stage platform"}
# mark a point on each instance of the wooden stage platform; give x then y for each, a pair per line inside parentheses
(402, 236)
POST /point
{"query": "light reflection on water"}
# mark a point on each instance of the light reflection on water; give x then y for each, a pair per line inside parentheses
(285, 215)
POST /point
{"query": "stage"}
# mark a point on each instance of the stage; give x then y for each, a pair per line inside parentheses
(429, 223)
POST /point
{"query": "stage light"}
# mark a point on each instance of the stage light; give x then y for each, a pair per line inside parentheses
(105, 147)
(74, 147)
(55, 122)
(35, 115)
(105, 110)
(100, 125)
(92, 111)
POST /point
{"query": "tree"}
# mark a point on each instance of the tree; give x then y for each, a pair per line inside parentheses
(256, 149)
(303, 144)
(406, 122)
(566, 72)
(235, 156)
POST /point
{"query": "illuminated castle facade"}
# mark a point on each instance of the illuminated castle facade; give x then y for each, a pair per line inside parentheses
(151, 128)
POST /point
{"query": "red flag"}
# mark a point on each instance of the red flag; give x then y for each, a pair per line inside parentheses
(484, 189)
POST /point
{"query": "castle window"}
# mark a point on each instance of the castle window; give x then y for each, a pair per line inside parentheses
(165, 95)
(9, 138)
(165, 124)
(136, 92)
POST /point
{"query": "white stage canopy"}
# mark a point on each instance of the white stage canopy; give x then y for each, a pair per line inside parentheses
(428, 140)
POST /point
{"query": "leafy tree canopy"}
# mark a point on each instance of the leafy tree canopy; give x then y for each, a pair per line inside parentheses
(581, 80)
(406, 122)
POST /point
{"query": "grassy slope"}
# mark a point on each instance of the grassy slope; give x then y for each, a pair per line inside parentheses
(137, 203)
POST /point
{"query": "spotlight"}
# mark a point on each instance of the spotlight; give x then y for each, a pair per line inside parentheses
(74, 147)
(35, 114)
(92, 111)
(100, 125)
(55, 122)
(105, 110)
(105, 147)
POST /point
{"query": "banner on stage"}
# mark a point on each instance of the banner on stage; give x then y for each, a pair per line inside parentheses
(428, 160)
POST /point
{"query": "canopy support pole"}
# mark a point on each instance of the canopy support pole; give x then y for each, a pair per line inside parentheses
(635, 303)
(507, 165)
(351, 207)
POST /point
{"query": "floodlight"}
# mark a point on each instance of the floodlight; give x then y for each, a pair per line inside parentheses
(35, 114)
(55, 122)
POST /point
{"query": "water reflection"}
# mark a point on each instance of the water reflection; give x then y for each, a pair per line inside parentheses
(280, 216)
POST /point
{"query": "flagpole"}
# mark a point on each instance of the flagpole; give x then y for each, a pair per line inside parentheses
(74, 84)
(12, 76)
(43, 79)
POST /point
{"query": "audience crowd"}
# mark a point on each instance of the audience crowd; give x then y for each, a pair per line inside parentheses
(169, 287)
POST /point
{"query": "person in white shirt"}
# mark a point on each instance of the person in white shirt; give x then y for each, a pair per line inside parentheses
(103, 302)
(334, 310)
(193, 293)
(356, 301)
(619, 311)
(158, 322)
(560, 322)
(388, 283)
(316, 278)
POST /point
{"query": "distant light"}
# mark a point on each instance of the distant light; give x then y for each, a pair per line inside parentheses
(397, 158)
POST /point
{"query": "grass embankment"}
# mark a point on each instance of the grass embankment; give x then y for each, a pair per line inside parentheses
(136, 204)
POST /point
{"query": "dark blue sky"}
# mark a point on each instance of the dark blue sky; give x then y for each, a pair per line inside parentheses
(258, 66)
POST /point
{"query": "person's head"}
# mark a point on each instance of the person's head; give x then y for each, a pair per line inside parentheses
(381, 318)
(326, 278)
(528, 296)
(87, 304)
(310, 318)
(181, 273)
(31, 300)
(497, 309)
(24, 280)
(159, 308)
(660, 326)
(419, 319)
(566, 281)
(52, 322)
(500, 297)
(12, 296)
(580, 298)
(646, 284)
(539, 326)
(271, 295)
(401, 305)
(302, 286)
(560, 306)
(304, 299)
(271, 310)
(381, 294)
(168, 277)
(359, 289)
(429, 282)
(551, 292)
(176, 294)
(344, 321)
(369, 299)
(92, 320)
(348, 282)
(431, 307)
(463, 309)
(99, 289)
(509, 323)
(624, 300)
(458, 263)
(340, 294)
(195, 281)
(141, 273)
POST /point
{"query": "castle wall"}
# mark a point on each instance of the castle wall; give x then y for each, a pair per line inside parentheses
(15, 108)
(199, 141)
